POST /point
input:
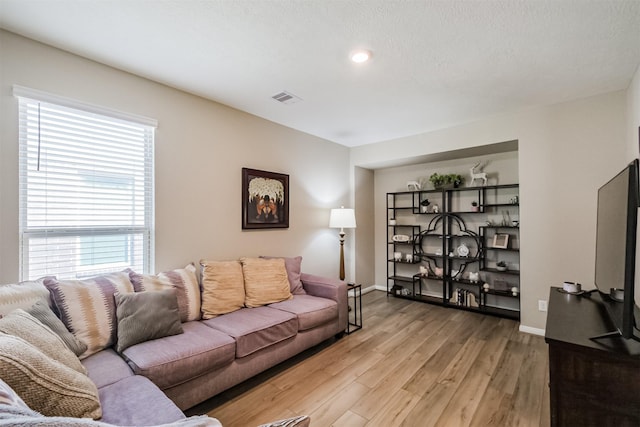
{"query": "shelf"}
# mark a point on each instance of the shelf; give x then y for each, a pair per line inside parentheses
(500, 205)
(432, 255)
(467, 282)
(466, 212)
(503, 249)
(449, 226)
(401, 208)
(429, 277)
(508, 294)
(401, 279)
(495, 270)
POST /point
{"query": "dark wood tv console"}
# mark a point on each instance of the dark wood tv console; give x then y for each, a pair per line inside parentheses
(592, 383)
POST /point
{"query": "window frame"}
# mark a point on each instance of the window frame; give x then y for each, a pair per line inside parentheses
(144, 232)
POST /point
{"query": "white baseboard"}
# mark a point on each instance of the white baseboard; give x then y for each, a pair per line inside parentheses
(533, 331)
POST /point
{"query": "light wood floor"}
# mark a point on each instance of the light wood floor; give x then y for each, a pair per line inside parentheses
(412, 364)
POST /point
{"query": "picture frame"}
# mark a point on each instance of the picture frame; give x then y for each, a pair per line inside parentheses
(265, 199)
(500, 241)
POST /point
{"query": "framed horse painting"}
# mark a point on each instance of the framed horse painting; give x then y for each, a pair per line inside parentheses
(265, 199)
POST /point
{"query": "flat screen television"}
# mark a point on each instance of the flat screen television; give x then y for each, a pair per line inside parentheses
(616, 228)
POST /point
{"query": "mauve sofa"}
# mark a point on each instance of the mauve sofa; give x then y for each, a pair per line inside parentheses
(154, 381)
(216, 354)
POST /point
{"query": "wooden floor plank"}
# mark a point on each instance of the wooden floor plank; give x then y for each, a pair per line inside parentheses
(412, 364)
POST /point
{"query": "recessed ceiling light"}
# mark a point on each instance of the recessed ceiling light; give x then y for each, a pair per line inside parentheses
(360, 56)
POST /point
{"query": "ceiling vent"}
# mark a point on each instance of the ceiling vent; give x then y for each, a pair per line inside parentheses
(286, 98)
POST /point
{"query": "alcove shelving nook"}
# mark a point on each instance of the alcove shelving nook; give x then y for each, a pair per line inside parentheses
(456, 247)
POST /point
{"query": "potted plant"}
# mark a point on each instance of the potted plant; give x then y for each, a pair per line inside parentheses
(501, 266)
(452, 180)
(437, 180)
(474, 207)
(455, 179)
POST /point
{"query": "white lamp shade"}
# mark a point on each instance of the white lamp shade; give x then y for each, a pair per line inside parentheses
(342, 218)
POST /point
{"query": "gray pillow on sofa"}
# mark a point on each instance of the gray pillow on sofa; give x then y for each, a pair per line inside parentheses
(41, 311)
(144, 316)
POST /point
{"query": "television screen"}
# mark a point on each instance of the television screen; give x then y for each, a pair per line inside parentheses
(616, 247)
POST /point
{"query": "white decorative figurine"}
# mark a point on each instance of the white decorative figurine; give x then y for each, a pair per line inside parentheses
(479, 175)
(413, 185)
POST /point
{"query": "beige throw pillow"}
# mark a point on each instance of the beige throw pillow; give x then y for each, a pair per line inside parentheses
(222, 287)
(265, 281)
(183, 280)
(22, 295)
(21, 324)
(44, 384)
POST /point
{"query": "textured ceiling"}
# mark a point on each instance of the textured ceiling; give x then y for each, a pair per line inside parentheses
(435, 63)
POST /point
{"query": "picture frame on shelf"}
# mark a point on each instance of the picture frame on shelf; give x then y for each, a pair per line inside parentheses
(265, 199)
(501, 241)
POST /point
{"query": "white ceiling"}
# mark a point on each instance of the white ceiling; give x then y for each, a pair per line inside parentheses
(435, 63)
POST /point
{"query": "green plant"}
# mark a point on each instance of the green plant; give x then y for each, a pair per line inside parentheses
(447, 179)
(501, 264)
(474, 204)
(437, 180)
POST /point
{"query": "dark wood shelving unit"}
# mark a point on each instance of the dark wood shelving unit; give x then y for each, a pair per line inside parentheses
(434, 239)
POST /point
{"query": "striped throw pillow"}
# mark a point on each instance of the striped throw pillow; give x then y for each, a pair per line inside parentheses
(88, 309)
(22, 295)
(183, 280)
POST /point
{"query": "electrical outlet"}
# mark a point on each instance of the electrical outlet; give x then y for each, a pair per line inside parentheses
(542, 305)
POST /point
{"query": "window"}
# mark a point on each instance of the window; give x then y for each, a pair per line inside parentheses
(86, 189)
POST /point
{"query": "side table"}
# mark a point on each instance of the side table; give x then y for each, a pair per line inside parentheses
(354, 321)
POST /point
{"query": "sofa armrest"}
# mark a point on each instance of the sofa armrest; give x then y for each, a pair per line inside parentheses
(333, 289)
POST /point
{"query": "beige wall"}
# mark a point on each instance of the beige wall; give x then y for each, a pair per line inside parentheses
(201, 147)
(566, 152)
(633, 116)
(365, 243)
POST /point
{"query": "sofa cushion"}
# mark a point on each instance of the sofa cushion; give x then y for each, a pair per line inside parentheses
(22, 295)
(183, 280)
(293, 265)
(311, 311)
(173, 360)
(45, 384)
(21, 324)
(106, 367)
(136, 401)
(144, 316)
(255, 328)
(41, 311)
(222, 287)
(265, 281)
(87, 307)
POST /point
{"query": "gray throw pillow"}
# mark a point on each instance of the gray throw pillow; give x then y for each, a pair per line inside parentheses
(44, 314)
(144, 316)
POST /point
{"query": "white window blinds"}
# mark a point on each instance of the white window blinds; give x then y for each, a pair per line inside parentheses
(86, 192)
